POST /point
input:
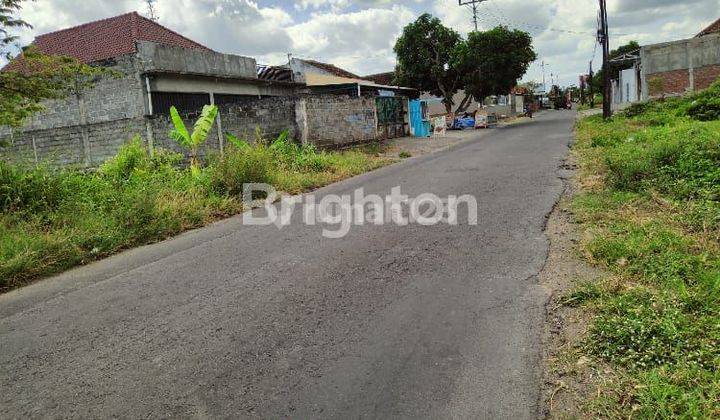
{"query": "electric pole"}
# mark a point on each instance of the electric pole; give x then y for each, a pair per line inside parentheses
(473, 4)
(592, 91)
(151, 10)
(543, 70)
(605, 40)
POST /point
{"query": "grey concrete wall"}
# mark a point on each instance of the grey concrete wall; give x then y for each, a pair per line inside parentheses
(111, 98)
(683, 54)
(163, 58)
(82, 129)
(271, 116)
(323, 120)
(65, 146)
(678, 56)
(334, 121)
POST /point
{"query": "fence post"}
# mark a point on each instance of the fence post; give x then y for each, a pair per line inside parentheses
(83, 131)
(34, 146)
(301, 120)
(218, 119)
(150, 137)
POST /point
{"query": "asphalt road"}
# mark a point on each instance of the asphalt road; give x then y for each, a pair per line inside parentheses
(255, 321)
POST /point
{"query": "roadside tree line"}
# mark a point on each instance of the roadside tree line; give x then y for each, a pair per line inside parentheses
(436, 59)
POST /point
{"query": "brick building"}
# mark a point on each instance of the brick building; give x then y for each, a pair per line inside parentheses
(674, 68)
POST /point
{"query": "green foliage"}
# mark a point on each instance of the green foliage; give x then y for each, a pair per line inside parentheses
(37, 77)
(404, 154)
(436, 59)
(428, 55)
(705, 106)
(238, 143)
(9, 22)
(682, 161)
(653, 219)
(51, 220)
(583, 293)
(25, 189)
(193, 141)
(494, 60)
(241, 166)
(639, 330)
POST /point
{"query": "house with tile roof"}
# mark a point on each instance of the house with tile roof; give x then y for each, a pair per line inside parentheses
(157, 67)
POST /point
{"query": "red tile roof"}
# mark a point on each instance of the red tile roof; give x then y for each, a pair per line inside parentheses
(109, 38)
(713, 28)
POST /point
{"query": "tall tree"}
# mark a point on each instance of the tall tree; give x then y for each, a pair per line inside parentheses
(8, 23)
(494, 60)
(34, 77)
(428, 55)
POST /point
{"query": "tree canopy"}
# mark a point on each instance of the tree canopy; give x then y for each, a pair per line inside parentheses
(495, 60)
(9, 22)
(34, 77)
(436, 59)
(428, 58)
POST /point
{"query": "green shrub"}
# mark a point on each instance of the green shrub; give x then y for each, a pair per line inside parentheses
(682, 161)
(705, 106)
(25, 189)
(654, 223)
(241, 166)
(640, 330)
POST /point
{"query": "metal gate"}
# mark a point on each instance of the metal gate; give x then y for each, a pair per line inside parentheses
(390, 117)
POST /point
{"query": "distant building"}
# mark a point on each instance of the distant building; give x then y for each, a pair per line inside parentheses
(669, 68)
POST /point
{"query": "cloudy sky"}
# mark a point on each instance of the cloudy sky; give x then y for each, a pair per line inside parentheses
(359, 34)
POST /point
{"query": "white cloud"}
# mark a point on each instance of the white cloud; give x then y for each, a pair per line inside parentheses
(361, 40)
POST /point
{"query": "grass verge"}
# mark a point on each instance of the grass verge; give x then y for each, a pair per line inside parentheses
(650, 214)
(55, 219)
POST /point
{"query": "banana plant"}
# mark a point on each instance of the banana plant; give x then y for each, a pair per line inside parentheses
(239, 143)
(193, 141)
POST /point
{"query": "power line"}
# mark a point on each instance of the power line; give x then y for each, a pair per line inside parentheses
(473, 5)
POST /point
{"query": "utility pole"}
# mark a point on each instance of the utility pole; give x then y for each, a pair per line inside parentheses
(592, 91)
(151, 10)
(605, 40)
(543, 70)
(473, 4)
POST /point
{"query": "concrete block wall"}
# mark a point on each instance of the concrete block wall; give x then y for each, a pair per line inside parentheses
(336, 121)
(271, 115)
(111, 98)
(322, 120)
(64, 146)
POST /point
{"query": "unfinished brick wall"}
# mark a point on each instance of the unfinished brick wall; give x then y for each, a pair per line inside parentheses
(705, 76)
(669, 83)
